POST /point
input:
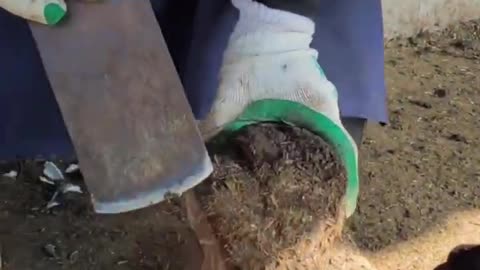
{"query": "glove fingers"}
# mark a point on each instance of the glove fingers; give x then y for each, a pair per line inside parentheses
(43, 11)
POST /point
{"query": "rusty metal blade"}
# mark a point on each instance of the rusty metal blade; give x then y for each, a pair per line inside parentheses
(123, 104)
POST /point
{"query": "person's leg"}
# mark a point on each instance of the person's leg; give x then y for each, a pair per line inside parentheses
(213, 24)
(176, 19)
(30, 121)
(349, 40)
(355, 126)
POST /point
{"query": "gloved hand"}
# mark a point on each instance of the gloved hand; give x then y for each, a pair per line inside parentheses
(270, 73)
(43, 11)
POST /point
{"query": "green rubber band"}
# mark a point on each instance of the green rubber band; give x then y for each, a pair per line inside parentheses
(296, 114)
(53, 13)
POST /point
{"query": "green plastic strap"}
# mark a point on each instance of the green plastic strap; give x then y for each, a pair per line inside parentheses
(53, 13)
(296, 114)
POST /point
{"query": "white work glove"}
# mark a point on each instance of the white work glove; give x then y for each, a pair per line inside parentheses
(42, 11)
(270, 73)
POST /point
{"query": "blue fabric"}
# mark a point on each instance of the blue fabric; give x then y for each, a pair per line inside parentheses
(30, 121)
(349, 38)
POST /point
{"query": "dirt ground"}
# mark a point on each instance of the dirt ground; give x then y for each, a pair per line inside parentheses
(425, 164)
(71, 236)
(416, 171)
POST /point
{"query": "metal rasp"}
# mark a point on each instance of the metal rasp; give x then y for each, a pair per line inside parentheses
(123, 104)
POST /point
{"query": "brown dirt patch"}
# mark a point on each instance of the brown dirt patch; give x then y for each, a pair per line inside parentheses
(276, 189)
(424, 165)
(73, 237)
